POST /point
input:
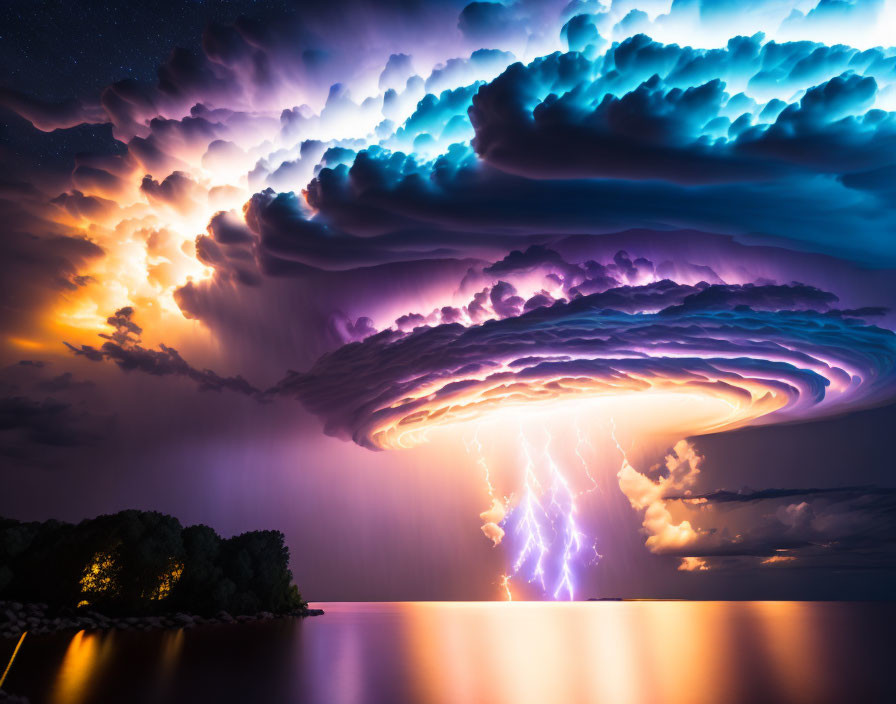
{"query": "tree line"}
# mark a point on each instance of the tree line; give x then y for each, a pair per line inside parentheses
(143, 562)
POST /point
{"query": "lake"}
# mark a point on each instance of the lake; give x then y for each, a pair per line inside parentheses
(657, 652)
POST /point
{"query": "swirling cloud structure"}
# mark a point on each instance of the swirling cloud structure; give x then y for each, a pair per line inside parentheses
(462, 210)
(463, 131)
(766, 352)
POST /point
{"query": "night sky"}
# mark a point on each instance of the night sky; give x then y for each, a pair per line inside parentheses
(57, 50)
(542, 299)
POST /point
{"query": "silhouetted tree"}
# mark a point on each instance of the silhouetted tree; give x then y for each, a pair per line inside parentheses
(144, 561)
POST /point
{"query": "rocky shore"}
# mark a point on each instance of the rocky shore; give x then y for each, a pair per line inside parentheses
(39, 619)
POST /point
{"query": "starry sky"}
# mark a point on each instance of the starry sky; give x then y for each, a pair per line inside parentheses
(50, 50)
(60, 50)
(487, 300)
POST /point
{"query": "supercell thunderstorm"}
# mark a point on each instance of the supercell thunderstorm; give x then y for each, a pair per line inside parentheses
(787, 362)
(590, 185)
(767, 352)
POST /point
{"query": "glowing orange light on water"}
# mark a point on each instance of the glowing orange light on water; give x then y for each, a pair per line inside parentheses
(12, 658)
(80, 665)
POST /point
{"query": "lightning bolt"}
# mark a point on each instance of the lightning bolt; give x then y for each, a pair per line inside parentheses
(596, 556)
(505, 585)
(475, 445)
(618, 446)
(572, 536)
(530, 525)
(543, 517)
(582, 442)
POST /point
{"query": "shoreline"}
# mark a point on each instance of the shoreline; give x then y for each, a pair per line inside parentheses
(38, 619)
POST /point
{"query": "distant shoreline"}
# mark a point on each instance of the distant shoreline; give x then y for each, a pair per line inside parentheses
(39, 619)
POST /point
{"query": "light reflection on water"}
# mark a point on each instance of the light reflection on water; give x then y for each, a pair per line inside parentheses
(493, 653)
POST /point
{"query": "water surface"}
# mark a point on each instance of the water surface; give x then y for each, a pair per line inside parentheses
(489, 653)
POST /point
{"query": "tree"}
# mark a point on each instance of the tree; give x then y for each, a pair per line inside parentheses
(142, 562)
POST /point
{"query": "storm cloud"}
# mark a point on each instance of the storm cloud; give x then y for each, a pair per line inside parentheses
(433, 212)
(772, 351)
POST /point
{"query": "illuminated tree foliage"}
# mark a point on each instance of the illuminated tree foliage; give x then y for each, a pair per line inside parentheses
(100, 576)
(143, 562)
